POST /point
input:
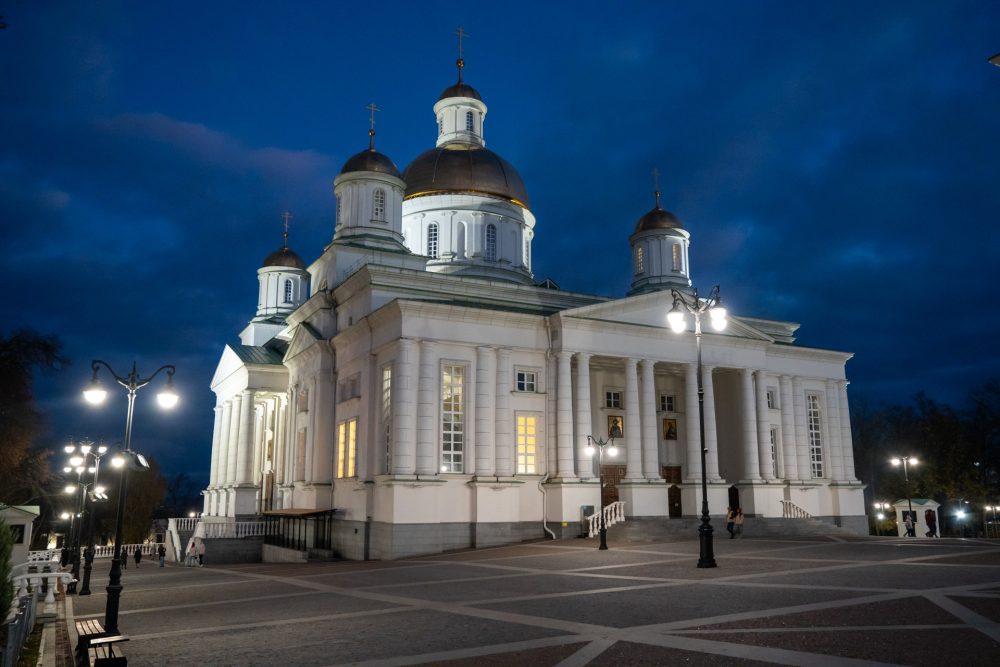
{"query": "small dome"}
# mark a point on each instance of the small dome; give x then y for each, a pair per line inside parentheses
(461, 168)
(371, 160)
(284, 257)
(658, 219)
(460, 89)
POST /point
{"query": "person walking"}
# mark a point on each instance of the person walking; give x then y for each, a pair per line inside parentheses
(908, 522)
(730, 517)
(124, 558)
(201, 553)
(138, 554)
(192, 555)
(162, 553)
(931, 520)
(738, 521)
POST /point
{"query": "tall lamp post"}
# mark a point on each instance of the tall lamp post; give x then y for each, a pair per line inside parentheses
(906, 462)
(599, 445)
(78, 465)
(86, 448)
(880, 508)
(678, 323)
(95, 394)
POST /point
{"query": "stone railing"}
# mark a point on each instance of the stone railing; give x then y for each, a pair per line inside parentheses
(147, 549)
(237, 529)
(43, 556)
(790, 510)
(34, 582)
(613, 513)
(186, 524)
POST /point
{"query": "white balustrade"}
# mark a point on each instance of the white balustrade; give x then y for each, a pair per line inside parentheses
(613, 513)
(32, 583)
(43, 556)
(790, 510)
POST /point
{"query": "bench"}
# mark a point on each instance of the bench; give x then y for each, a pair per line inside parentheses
(95, 646)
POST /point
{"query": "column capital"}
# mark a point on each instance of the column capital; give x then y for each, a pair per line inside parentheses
(583, 356)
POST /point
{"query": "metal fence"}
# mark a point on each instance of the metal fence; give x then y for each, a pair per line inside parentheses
(314, 531)
(18, 631)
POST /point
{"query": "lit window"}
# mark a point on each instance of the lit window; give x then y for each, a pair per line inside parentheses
(432, 240)
(667, 403)
(347, 448)
(468, 121)
(452, 418)
(676, 255)
(525, 381)
(288, 290)
(491, 243)
(387, 415)
(527, 444)
(815, 434)
(613, 399)
(774, 452)
(378, 205)
(771, 402)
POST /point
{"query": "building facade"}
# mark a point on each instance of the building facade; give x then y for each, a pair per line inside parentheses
(431, 393)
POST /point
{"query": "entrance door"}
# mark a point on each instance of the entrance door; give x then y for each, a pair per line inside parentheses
(674, 501)
(734, 497)
(612, 474)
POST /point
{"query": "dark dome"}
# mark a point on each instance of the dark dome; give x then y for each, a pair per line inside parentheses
(371, 160)
(658, 219)
(284, 257)
(461, 168)
(460, 89)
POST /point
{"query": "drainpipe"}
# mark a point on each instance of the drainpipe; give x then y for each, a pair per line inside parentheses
(541, 487)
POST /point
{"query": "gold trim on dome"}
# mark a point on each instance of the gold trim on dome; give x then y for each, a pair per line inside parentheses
(426, 193)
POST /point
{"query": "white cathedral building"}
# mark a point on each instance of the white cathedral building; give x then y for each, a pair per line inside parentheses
(417, 384)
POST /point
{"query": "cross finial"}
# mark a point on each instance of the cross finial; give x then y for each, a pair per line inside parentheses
(287, 216)
(656, 186)
(371, 131)
(460, 62)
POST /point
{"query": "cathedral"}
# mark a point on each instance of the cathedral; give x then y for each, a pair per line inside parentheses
(416, 384)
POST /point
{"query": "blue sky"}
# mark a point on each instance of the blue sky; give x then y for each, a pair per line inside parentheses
(835, 163)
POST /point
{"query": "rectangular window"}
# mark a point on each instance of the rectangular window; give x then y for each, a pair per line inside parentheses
(347, 448)
(676, 257)
(525, 381)
(774, 451)
(667, 403)
(814, 416)
(772, 402)
(452, 418)
(527, 444)
(387, 415)
(613, 399)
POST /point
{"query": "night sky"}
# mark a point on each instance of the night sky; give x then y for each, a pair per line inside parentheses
(835, 163)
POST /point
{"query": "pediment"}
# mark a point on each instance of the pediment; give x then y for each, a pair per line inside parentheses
(650, 310)
(304, 338)
(229, 364)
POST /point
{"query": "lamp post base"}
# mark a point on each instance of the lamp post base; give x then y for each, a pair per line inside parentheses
(604, 539)
(706, 556)
(88, 564)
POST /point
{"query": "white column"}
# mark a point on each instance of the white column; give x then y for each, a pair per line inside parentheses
(711, 433)
(846, 440)
(504, 438)
(324, 433)
(650, 430)
(833, 431)
(564, 417)
(633, 439)
(751, 457)
(584, 419)
(791, 469)
(234, 438)
(767, 466)
(213, 479)
(404, 408)
(693, 430)
(280, 422)
(801, 430)
(485, 423)
(244, 447)
(427, 461)
(549, 384)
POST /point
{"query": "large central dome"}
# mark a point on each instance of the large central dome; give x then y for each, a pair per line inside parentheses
(461, 168)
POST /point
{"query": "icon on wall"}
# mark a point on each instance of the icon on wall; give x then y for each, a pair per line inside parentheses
(669, 429)
(614, 426)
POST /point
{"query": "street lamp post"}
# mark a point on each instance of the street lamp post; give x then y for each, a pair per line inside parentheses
(906, 462)
(86, 448)
(95, 394)
(678, 323)
(880, 508)
(599, 445)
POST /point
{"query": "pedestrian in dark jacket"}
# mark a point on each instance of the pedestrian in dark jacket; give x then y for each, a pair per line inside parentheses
(138, 554)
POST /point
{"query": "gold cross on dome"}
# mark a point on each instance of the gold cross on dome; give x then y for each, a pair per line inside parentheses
(371, 131)
(656, 185)
(461, 33)
(287, 216)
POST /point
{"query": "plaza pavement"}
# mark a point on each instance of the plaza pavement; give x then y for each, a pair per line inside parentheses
(789, 601)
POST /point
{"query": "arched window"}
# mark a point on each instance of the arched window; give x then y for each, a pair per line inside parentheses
(468, 121)
(440, 125)
(339, 208)
(676, 252)
(289, 287)
(432, 240)
(378, 205)
(638, 260)
(527, 252)
(491, 243)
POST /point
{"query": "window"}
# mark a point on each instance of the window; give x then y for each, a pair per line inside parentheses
(378, 205)
(527, 444)
(527, 252)
(491, 243)
(774, 451)
(387, 415)
(638, 261)
(676, 256)
(339, 208)
(17, 533)
(347, 448)
(452, 418)
(525, 381)
(613, 399)
(468, 121)
(440, 125)
(772, 401)
(667, 403)
(813, 417)
(432, 240)
(288, 290)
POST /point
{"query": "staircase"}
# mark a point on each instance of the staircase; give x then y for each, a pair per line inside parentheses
(613, 513)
